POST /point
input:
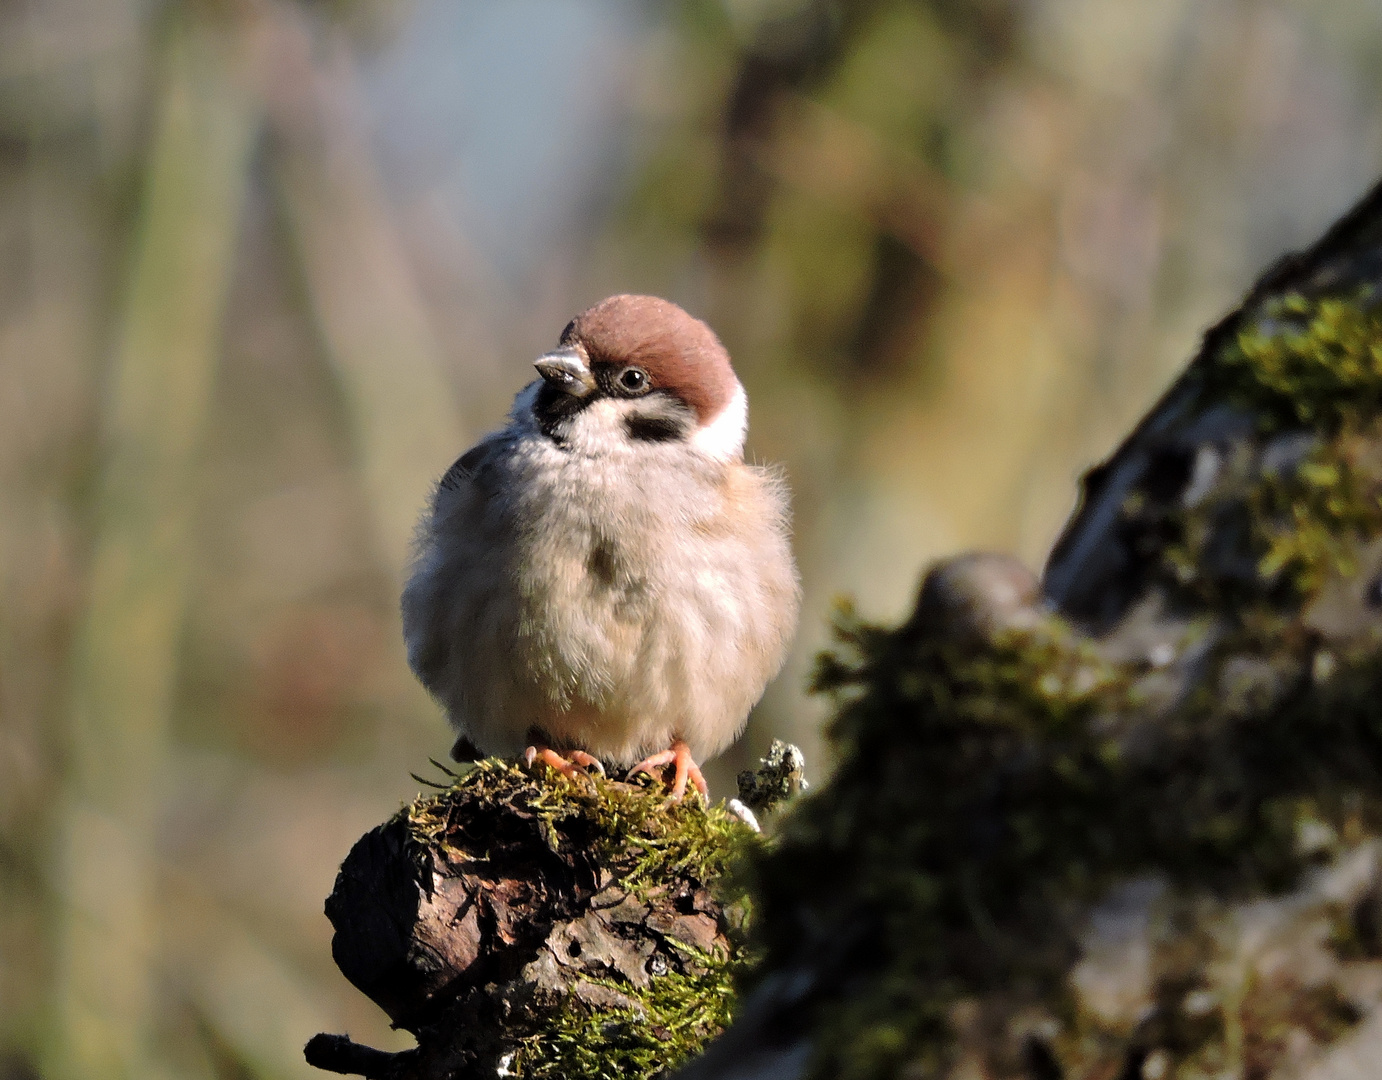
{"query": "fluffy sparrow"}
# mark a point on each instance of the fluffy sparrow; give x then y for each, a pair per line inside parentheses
(604, 578)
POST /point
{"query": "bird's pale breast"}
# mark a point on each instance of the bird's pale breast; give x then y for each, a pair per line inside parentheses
(615, 602)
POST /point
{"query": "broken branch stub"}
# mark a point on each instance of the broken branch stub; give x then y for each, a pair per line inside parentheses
(528, 924)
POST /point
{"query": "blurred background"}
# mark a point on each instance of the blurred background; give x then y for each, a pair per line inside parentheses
(267, 267)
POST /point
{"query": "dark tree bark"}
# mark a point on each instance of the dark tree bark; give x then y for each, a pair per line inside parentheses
(523, 923)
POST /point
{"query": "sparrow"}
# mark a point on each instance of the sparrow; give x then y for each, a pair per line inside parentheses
(604, 579)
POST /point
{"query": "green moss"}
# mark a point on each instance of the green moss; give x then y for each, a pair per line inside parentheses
(1311, 362)
(1311, 522)
(1307, 369)
(669, 1022)
(1296, 527)
(918, 829)
(634, 829)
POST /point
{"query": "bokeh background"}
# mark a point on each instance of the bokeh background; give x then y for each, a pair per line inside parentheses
(267, 267)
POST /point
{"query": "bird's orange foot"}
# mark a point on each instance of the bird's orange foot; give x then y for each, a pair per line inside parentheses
(686, 769)
(570, 766)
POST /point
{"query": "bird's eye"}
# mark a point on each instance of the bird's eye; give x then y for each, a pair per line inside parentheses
(634, 380)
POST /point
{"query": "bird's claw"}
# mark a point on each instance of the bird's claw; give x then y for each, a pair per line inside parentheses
(570, 766)
(589, 761)
(686, 770)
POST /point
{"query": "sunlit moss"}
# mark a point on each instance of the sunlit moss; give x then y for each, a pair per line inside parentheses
(1315, 363)
(634, 830)
(1312, 522)
(670, 1022)
(1305, 361)
(1308, 370)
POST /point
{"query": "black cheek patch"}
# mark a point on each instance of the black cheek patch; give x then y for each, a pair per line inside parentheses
(654, 428)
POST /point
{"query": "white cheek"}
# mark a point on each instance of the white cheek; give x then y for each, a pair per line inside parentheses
(723, 438)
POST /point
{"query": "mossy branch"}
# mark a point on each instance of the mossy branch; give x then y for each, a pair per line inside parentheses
(523, 924)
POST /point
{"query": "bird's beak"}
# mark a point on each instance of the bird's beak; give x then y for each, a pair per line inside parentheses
(567, 370)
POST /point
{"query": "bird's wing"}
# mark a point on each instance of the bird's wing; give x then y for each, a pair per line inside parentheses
(467, 465)
(433, 576)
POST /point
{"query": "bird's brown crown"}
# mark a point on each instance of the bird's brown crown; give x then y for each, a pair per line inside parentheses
(680, 353)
